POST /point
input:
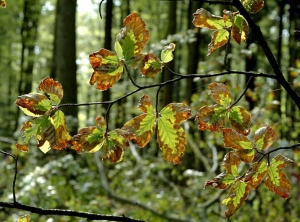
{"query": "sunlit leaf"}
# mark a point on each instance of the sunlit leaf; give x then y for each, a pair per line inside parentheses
(264, 137)
(151, 65)
(141, 128)
(204, 19)
(170, 136)
(2, 3)
(25, 218)
(221, 181)
(236, 197)
(88, 139)
(167, 53)
(253, 6)
(33, 128)
(34, 104)
(220, 93)
(276, 180)
(218, 39)
(231, 162)
(53, 89)
(114, 146)
(211, 118)
(107, 69)
(240, 29)
(243, 147)
(240, 120)
(91, 139)
(133, 37)
(256, 174)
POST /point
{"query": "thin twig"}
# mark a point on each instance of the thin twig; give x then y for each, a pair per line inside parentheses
(100, 8)
(242, 95)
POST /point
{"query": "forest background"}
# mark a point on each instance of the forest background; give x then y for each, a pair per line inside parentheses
(42, 38)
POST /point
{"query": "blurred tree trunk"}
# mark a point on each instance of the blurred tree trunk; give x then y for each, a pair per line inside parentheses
(250, 65)
(31, 13)
(281, 7)
(65, 55)
(108, 42)
(193, 55)
(167, 93)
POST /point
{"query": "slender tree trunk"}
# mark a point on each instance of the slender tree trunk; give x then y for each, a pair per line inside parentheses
(167, 93)
(193, 55)
(31, 11)
(108, 42)
(65, 55)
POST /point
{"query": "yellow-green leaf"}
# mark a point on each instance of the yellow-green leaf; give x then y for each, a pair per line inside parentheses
(2, 3)
(231, 162)
(107, 69)
(220, 93)
(240, 29)
(276, 180)
(211, 118)
(167, 53)
(133, 37)
(240, 120)
(170, 136)
(218, 39)
(264, 137)
(253, 6)
(204, 19)
(25, 218)
(141, 128)
(236, 197)
(151, 65)
(53, 89)
(256, 174)
(33, 104)
(243, 147)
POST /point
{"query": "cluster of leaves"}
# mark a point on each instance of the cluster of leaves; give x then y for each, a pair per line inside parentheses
(213, 118)
(232, 24)
(49, 126)
(131, 40)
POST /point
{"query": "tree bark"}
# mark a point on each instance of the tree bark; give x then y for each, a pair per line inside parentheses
(65, 55)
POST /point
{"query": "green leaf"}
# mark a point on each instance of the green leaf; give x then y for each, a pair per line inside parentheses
(240, 120)
(167, 53)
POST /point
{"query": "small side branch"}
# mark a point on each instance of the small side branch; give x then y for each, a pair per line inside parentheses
(59, 212)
